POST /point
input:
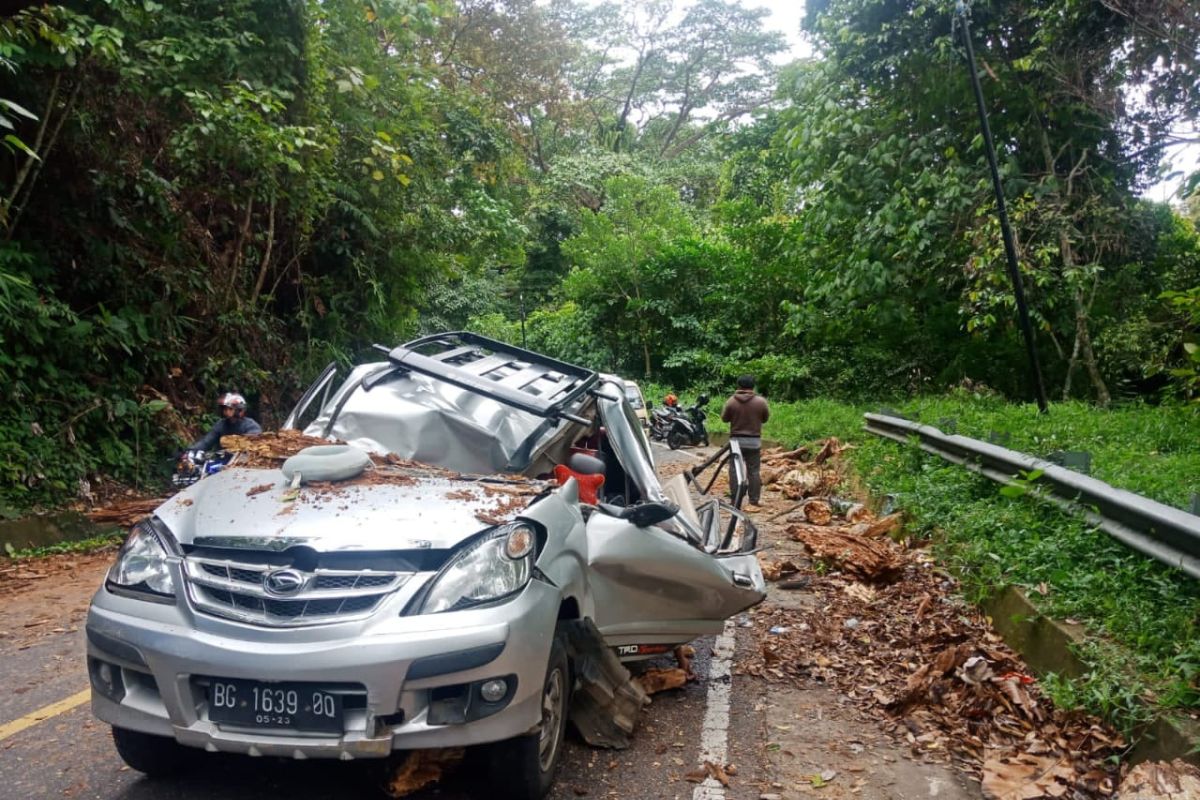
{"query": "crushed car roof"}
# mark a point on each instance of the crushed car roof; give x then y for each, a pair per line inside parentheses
(465, 402)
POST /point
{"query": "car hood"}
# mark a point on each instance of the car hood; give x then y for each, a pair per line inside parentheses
(257, 509)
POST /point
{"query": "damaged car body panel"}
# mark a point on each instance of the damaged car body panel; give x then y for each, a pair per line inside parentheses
(651, 587)
(419, 603)
(384, 410)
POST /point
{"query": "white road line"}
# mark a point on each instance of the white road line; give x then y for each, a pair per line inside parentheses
(666, 449)
(714, 735)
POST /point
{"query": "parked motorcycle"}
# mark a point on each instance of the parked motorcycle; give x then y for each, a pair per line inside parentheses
(662, 420)
(681, 427)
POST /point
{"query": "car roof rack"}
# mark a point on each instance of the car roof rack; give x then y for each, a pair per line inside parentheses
(511, 375)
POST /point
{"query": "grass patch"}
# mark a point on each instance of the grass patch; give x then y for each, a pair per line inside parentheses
(88, 545)
(1145, 653)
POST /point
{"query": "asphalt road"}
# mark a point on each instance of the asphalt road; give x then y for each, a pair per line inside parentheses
(69, 754)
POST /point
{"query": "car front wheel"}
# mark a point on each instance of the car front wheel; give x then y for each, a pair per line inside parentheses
(523, 768)
(155, 756)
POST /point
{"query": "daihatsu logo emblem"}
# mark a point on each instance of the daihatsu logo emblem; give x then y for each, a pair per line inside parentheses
(283, 582)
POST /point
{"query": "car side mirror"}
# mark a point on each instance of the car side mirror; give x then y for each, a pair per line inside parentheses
(646, 514)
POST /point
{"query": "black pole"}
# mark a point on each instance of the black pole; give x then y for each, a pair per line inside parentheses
(1010, 249)
(523, 321)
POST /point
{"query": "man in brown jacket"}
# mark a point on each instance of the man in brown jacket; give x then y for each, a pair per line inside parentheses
(746, 412)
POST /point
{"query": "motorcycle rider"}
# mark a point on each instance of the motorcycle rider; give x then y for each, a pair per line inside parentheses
(233, 421)
(746, 412)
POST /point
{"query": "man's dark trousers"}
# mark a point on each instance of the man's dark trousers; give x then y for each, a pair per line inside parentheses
(753, 458)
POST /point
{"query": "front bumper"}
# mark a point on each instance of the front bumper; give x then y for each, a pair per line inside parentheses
(393, 664)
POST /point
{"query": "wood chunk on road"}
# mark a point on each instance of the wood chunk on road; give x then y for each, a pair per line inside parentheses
(420, 768)
(806, 481)
(125, 513)
(818, 512)
(775, 570)
(880, 527)
(830, 449)
(867, 559)
(684, 655)
(658, 680)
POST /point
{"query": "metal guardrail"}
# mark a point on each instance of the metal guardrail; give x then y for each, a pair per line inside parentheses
(1167, 534)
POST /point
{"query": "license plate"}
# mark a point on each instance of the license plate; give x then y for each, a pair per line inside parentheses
(296, 706)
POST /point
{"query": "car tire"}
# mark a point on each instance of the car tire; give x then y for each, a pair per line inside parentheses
(154, 756)
(523, 768)
(676, 439)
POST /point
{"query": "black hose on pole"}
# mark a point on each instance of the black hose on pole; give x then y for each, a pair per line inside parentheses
(963, 17)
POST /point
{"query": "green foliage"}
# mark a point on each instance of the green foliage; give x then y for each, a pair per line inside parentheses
(222, 196)
(63, 419)
(619, 272)
(658, 83)
(226, 195)
(565, 332)
(1022, 484)
(897, 208)
(1187, 376)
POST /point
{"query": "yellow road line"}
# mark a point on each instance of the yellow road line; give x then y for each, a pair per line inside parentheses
(42, 714)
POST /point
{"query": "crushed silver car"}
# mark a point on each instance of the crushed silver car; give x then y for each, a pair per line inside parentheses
(409, 588)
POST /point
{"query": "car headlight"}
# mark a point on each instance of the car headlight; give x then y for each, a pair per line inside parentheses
(141, 564)
(493, 566)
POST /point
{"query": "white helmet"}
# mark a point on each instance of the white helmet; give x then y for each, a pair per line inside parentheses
(232, 400)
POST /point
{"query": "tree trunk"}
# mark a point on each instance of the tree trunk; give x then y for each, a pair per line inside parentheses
(537, 142)
(266, 260)
(1072, 362)
(235, 258)
(643, 55)
(23, 173)
(1083, 340)
(45, 153)
(1089, 357)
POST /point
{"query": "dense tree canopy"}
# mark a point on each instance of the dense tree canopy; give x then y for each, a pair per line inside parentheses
(225, 195)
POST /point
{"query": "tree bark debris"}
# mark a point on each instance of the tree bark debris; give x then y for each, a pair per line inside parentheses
(420, 768)
(867, 559)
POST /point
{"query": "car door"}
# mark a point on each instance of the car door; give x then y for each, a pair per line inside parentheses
(661, 584)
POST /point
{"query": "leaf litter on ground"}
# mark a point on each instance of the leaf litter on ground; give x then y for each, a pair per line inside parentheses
(887, 629)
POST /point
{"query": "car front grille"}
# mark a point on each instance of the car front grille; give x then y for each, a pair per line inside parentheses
(249, 592)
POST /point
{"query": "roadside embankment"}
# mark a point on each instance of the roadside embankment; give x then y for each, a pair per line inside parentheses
(1133, 656)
